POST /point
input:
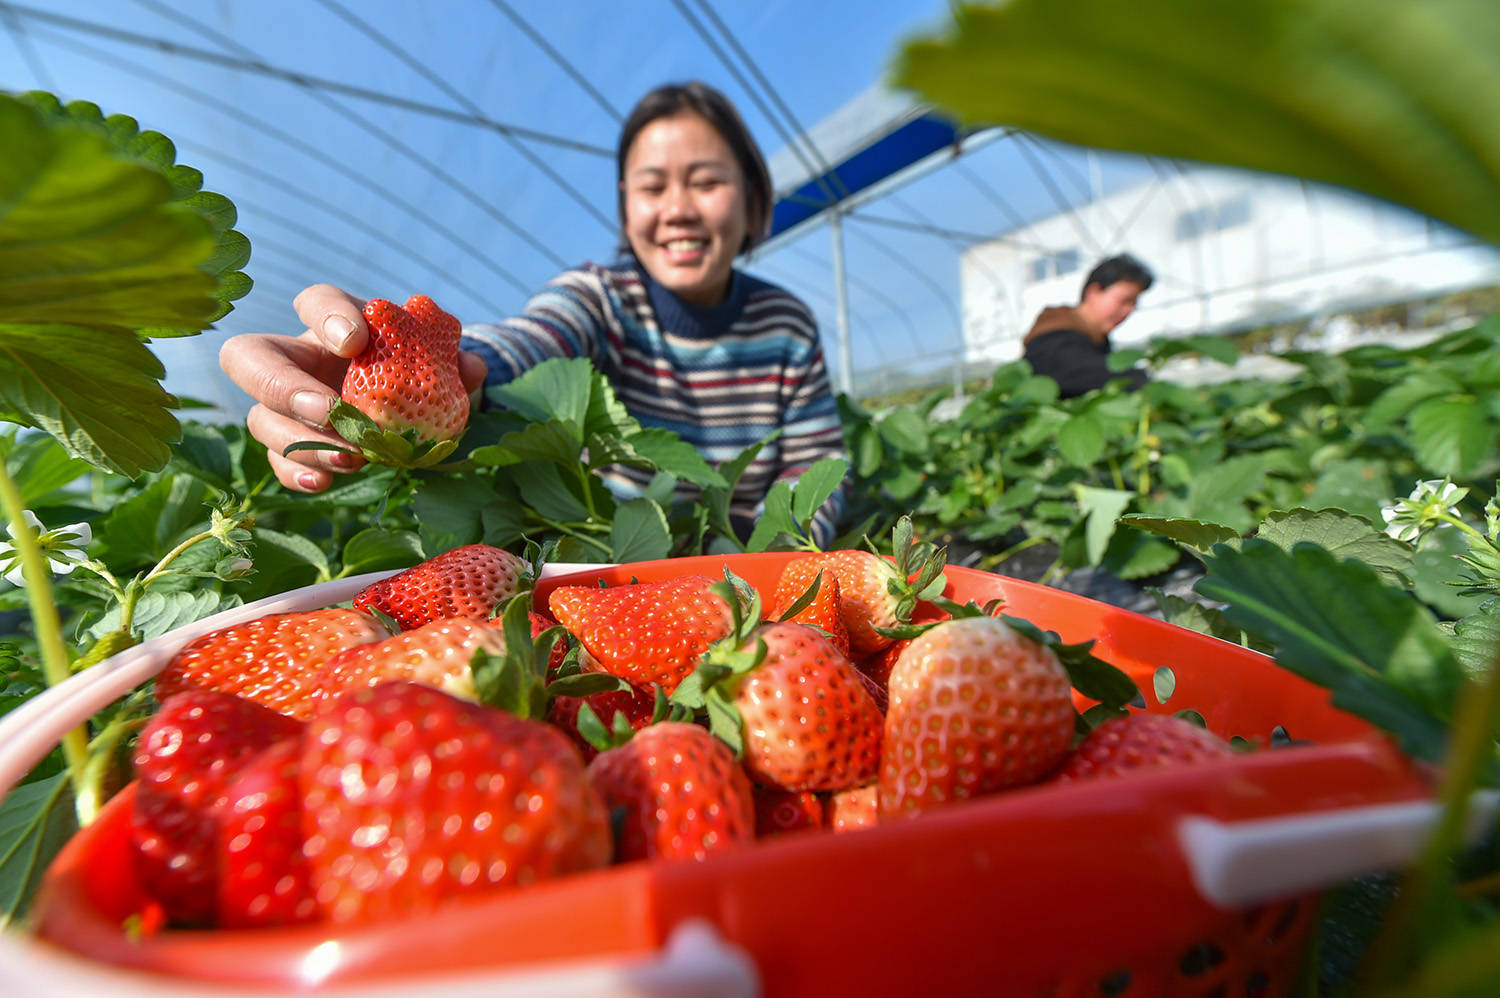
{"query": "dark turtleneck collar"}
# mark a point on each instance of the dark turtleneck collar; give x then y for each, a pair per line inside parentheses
(694, 321)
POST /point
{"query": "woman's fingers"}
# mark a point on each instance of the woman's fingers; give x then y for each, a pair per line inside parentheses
(303, 470)
(334, 317)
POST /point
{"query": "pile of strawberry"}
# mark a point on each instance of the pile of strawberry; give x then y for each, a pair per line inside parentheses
(443, 736)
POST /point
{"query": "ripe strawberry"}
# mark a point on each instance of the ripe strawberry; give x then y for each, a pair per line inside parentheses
(825, 612)
(873, 592)
(262, 873)
(184, 758)
(778, 812)
(681, 793)
(407, 376)
(436, 654)
(975, 707)
(1140, 741)
(468, 581)
(539, 623)
(272, 660)
(411, 796)
(808, 721)
(646, 632)
(851, 810)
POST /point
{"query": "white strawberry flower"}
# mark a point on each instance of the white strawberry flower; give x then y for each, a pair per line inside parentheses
(64, 548)
(1432, 502)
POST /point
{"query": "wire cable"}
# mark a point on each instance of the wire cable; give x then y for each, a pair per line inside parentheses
(416, 65)
(258, 67)
(379, 134)
(558, 58)
(292, 141)
(28, 51)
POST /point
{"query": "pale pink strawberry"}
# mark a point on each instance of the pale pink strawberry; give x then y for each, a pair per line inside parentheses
(976, 707)
(436, 654)
(854, 809)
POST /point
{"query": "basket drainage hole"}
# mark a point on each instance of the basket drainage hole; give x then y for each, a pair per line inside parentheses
(1200, 959)
(1117, 983)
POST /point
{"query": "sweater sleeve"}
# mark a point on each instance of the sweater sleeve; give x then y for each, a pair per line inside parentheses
(567, 318)
(813, 431)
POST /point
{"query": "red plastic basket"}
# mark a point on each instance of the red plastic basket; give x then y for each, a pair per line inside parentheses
(1075, 889)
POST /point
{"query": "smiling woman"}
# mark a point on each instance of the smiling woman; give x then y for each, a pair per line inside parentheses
(690, 344)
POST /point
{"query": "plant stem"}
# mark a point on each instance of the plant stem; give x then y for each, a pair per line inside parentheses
(48, 627)
(990, 563)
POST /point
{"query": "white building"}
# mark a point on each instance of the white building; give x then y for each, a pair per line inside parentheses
(1231, 250)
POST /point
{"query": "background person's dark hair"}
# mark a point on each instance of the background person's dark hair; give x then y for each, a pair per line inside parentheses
(715, 108)
(1119, 268)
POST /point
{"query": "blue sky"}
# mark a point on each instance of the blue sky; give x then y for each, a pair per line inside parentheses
(389, 201)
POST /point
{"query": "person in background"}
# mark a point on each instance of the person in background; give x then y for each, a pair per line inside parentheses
(689, 343)
(1070, 344)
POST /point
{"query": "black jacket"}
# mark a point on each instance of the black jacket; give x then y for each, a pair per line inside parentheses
(1075, 360)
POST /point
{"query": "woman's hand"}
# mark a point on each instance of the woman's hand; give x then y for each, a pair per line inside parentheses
(295, 381)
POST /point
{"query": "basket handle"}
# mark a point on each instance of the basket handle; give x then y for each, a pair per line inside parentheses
(1238, 863)
(696, 960)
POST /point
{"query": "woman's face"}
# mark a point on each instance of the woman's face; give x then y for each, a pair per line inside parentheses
(685, 208)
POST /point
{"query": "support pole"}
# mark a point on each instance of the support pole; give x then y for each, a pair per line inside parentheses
(841, 297)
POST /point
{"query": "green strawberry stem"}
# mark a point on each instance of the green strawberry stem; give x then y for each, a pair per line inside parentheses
(48, 627)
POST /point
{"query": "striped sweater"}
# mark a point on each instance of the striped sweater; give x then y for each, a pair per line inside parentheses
(721, 377)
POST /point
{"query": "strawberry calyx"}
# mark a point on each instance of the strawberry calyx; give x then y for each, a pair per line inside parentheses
(404, 450)
(919, 569)
(517, 681)
(605, 737)
(710, 687)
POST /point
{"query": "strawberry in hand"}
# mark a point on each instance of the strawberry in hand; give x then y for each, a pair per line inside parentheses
(403, 402)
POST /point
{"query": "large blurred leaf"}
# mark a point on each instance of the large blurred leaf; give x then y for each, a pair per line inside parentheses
(104, 241)
(1343, 534)
(1452, 436)
(35, 821)
(1335, 623)
(1379, 95)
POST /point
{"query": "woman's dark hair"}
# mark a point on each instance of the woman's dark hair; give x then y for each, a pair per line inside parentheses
(706, 102)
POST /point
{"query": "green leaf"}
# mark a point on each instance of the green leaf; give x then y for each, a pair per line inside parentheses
(1415, 387)
(1081, 440)
(1359, 486)
(156, 613)
(40, 465)
(1090, 675)
(1133, 555)
(97, 393)
(1345, 93)
(775, 519)
(664, 450)
(557, 390)
(450, 511)
(1342, 534)
(376, 549)
(1452, 436)
(294, 546)
(558, 442)
(204, 453)
(1476, 640)
(36, 819)
(639, 532)
(546, 490)
(1194, 533)
(815, 485)
(1101, 508)
(905, 430)
(1334, 623)
(1435, 567)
